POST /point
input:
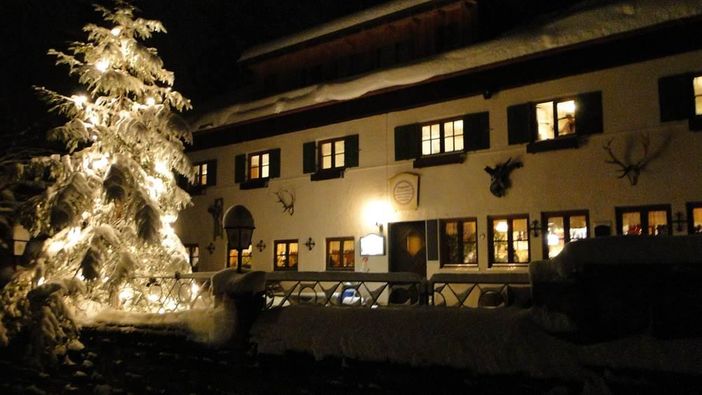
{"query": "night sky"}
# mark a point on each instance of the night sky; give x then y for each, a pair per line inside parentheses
(204, 40)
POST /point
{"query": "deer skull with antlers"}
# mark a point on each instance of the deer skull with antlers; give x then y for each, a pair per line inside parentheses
(628, 168)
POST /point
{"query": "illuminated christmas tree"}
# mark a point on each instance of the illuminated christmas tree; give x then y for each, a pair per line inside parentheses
(112, 199)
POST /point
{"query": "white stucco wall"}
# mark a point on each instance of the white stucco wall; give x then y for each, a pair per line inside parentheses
(557, 180)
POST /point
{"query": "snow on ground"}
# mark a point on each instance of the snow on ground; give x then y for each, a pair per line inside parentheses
(587, 22)
(485, 342)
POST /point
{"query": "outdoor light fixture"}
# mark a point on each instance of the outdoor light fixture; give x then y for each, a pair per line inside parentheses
(239, 225)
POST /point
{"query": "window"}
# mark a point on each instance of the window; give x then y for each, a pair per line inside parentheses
(553, 124)
(255, 169)
(341, 253)
(193, 255)
(331, 153)
(442, 137)
(285, 255)
(205, 173)
(694, 217)
(329, 158)
(459, 242)
(508, 239)
(442, 142)
(555, 119)
(245, 257)
(680, 97)
(563, 227)
(644, 220)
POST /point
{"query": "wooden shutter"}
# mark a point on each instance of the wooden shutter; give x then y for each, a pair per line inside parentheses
(432, 240)
(309, 160)
(408, 142)
(588, 113)
(211, 172)
(676, 97)
(476, 131)
(351, 151)
(520, 123)
(240, 168)
(274, 170)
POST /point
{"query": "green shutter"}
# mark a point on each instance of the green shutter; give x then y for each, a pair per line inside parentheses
(588, 113)
(476, 131)
(240, 168)
(351, 151)
(309, 160)
(676, 97)
(408, 142)
(274, 170)
(520, 123)
(211, 172)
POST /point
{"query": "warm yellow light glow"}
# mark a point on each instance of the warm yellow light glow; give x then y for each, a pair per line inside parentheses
(125, 294)
(567, 106)
(194, 290)
(552, 239)
(41, 281)
(79, 100)
(116, 31)
(152, 297)
(156, 187)
(377, 212)
(102, 65)
(150, 101)
(162, 168)
(502, 227)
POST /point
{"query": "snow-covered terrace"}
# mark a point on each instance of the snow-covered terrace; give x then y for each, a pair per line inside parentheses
(585, 23)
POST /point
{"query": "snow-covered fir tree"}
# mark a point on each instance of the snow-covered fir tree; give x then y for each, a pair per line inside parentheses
(112, 199)
(109, 213)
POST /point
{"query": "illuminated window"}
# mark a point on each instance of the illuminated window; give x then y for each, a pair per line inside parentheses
(245, 257)
(555, 119)
(201, 171)
(193, 255)
(459, 242)
(697, 86)
(694, 217)
(563, 227)
(205, 173)
(442, 137)
(331, 154)
(285, 255)
(341, 253)
(643, 220)
(259, 165)
(508, 239)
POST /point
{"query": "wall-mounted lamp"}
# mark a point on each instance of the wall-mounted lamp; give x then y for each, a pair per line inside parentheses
(380, 227)
(310, 244)
(261, 246)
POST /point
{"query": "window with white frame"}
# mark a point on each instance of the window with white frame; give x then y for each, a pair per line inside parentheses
(442, 137)
(555, 119)
(332, 153)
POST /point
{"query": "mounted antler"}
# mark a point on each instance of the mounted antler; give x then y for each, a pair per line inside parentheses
(499, 176)
(631, 170)
(288, 202)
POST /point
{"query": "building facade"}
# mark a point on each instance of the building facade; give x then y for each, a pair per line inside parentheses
(480, 157)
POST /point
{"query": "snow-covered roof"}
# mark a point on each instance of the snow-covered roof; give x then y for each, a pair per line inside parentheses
(586, 22)
(334, 26)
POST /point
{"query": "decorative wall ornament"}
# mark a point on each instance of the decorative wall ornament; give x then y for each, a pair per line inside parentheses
(404, 191)
(499, 176)
(261, 246)
(627, 167)
(287, 199)
(310, 244)
(211, 248)
(217, 211)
